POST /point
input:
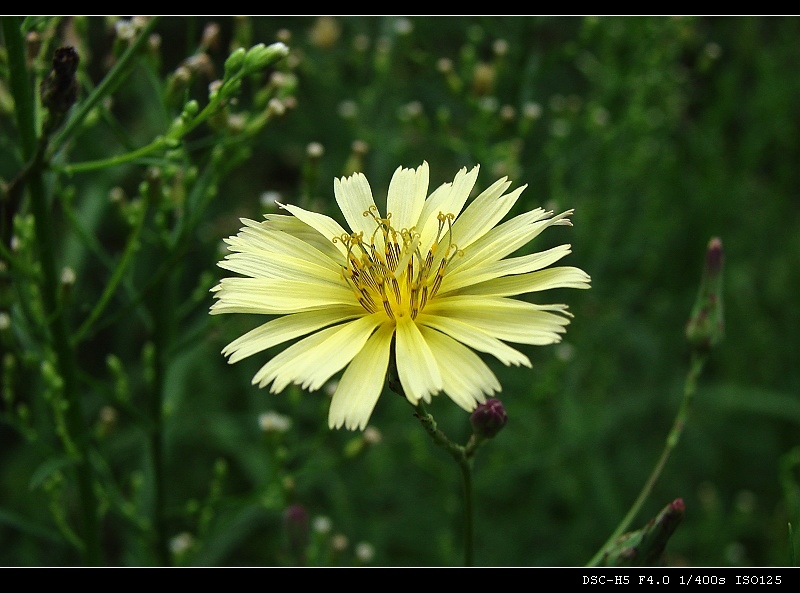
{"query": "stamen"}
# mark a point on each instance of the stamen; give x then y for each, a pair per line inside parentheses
(391, 269)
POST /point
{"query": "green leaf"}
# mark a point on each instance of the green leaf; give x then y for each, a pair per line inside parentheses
(22, 524)
(48, 468)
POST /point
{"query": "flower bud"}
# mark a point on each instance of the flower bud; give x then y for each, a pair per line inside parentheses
(190, 110)
(488, 418)
(211, 36)
(706, 325)
(234, 62)
(260, 56)
(646, 546)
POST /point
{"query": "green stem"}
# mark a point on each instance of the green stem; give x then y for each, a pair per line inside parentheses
(463, 457)
(58, 323)
(116, 276)
(171, 140)
(129, 157)
(689, 388)
(161, 308)
(469, 512)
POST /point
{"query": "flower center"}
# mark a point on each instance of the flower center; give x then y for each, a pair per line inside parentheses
(389, 271)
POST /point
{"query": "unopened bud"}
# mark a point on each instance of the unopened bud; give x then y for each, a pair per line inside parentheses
(211, 36)
(260, 56)
(488, 418)
(33, 43)
(213, 89)
(645, 547)
(706, 325)
(177, 84)
(234, 62)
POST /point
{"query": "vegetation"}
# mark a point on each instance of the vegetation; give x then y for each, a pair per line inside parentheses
(126, 438)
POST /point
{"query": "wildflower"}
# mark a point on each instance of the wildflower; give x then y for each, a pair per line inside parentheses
(365, 552)
(181, 543)
(274, 422)
(426, 282)
(322, 524)
(339, 542)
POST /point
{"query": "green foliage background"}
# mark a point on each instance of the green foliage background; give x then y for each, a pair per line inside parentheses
(659, 132)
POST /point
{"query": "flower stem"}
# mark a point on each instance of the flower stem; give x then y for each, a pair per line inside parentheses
(116, 276)
(463, 457)
(161, 306)
(689, 388)
(157, 145)
(469, 512)
(33, 152)
(161, 328)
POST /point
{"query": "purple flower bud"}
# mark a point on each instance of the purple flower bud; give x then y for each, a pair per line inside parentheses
(488, 418)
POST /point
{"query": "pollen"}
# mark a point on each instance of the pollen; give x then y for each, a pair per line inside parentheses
(388, 270)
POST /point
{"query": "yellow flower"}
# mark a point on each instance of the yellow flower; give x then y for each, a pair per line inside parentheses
(430, 278)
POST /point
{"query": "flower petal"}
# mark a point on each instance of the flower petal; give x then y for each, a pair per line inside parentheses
(303, 243)
(416, 363)
(294, 227)
(507, 238)
(471, 275)
(271, 296)
(448, 198)
(313, 360)
(348, 296)
(506, 319)
(484, 213)
(354, 197)
(475, 338)
(406, 198)
(560, 277)
(465, 377)
(288, 327)
(362, 382)
(324, 225)
(262, 265)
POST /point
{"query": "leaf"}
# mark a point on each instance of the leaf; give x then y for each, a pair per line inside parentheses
(22, 524)
(48, 468)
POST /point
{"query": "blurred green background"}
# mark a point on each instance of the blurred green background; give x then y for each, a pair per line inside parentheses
(659, 132)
